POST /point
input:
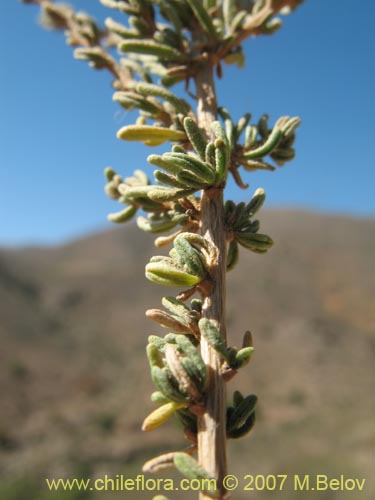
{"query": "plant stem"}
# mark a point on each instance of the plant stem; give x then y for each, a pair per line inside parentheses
(212, 424)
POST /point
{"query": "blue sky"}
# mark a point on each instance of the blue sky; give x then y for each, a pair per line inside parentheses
(58, 122)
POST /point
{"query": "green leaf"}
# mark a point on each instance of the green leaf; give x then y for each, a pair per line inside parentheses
(180, 105)
(213, 336)
(169, 180)
(191, 469)
(220, 133)
(157, 342)
(146, 133)
(167, 164)
(122, 6)
(242, 124)
(263, 126)
(229, 11)
(232, 255)
(96, 57)
(220, 163)
(163, 52)
(251, 165)
(229, 126)
(237, 21)
(158, 397)
(124, 215)
(162, 273)
(154, 356)
(258, 243)
(131, 100)
(256, 202)
(244, 429)
(185, 381)
(237, 398)
(251, 134)
(210, 154)
(161, 194)
(266, 148)
(270, 27)
(160, 225)
(175, 306)
(203, 17)
(196, 137)
(161, 379)
(161, 415)
(189, 257)
(120, 29)
(188, 420)
(242, 412)
(189, 163)
(288, 125)
(193, 355)
(243, 356)
(109, 173)
(191, 180)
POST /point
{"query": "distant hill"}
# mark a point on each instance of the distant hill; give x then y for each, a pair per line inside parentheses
(74, 379)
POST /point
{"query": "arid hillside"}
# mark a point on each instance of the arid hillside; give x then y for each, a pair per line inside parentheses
(74, 379)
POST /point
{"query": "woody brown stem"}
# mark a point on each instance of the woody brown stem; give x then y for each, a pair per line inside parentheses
(211, 425)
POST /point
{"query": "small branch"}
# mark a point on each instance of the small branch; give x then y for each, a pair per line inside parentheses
(250, 26)
(253, 23)
(68, 23)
